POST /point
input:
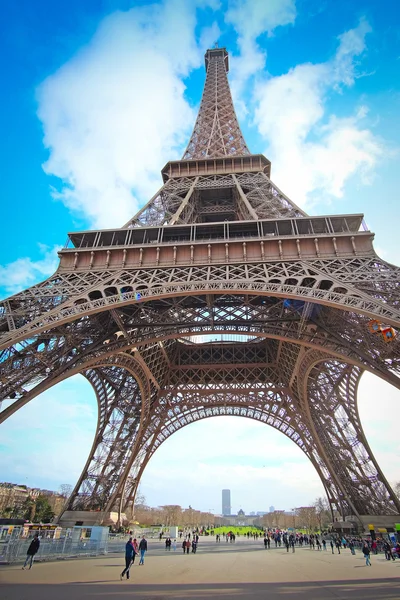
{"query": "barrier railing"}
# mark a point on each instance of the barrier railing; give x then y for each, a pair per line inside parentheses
(15, 551)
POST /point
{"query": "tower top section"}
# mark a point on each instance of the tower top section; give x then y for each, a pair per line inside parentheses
(216, 133)
(220, 53)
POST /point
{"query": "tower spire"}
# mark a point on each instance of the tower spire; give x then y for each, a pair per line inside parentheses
(216, 132)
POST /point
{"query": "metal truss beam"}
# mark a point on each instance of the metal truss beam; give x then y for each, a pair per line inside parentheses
(219, 250)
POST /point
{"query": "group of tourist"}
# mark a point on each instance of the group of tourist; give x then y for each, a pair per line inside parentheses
(132, 548)
(169, 543)
(187, 544)
(316, 541)
(289, 540)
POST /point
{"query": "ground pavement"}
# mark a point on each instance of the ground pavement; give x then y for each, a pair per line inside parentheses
(224, 571)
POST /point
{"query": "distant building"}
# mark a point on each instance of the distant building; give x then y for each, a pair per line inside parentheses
(226, 502)
(14, 496)
(260, 513)
(252, 514)
(272, 509)
(241, 519)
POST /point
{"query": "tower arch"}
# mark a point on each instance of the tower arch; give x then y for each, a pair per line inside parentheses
(218, 248)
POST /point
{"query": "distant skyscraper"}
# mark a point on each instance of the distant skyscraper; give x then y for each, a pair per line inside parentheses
(271, 508)
(226, 502)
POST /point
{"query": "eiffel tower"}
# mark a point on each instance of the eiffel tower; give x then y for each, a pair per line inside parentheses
(219, 297)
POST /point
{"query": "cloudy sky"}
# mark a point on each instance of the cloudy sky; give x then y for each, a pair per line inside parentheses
(99, 96)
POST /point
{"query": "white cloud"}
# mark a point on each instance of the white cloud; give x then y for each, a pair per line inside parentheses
(352, 44)
(116, 113)
(312, 152)
(24, 272)
(250, 19)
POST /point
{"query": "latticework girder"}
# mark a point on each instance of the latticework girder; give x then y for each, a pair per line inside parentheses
(216, 132)
(219, 250)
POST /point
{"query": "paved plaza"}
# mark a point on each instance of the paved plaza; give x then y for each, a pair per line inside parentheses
(240, 571)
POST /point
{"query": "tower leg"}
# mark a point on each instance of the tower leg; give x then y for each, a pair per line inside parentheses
(101, 486)
(331, 389)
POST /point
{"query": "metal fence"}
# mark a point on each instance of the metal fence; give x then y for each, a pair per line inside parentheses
(15, 551)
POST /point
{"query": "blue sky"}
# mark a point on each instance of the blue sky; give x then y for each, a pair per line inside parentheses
(100, 94)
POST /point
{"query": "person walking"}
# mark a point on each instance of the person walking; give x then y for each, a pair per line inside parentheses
(286, 541)
(32, 550)
(324, 543)
(129, 555)
(143, 550)
(332, 547)
(174, 546)
(136, 548)
(366, 551)
(188, 544)
(351, 546)
(388, 551)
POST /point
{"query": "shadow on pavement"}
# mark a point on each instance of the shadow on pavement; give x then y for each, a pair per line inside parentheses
(371, 589)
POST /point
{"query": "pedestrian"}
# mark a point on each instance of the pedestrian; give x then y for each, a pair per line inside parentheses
(366, 552)
(374, 547)
(188, 544)
(174, 546)
(397, 549)
(136, 547)
(324, 544)
(388, 551)
(32, 550)
(194, 546)
(129, 554)
(332, 547)
(286, 541)
(143, 550)
(184, 546)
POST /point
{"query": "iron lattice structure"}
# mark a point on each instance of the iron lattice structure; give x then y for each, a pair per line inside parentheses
(218, 251)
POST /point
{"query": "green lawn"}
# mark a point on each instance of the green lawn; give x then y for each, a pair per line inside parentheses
(235, 529)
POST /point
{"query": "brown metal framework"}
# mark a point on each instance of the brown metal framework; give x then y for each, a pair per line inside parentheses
(218, 250)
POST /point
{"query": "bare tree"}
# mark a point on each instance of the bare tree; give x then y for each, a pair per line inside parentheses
(307, 518)
(140, 498)
(66, 490)
(322, 512)
(172, 514)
